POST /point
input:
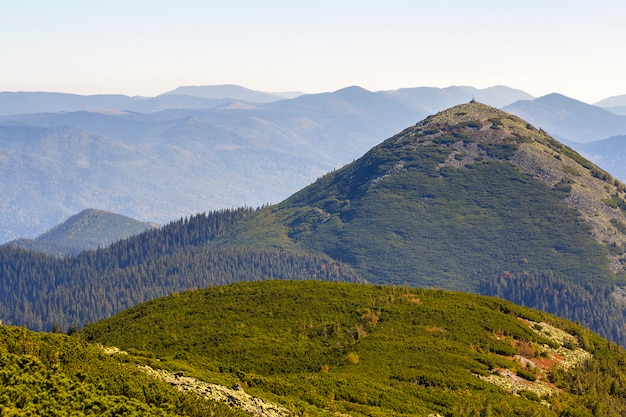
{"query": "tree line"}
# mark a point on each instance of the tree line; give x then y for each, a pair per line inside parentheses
(594, 305)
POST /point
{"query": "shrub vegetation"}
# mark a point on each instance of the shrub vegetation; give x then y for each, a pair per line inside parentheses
(56, 375)
(365, 350)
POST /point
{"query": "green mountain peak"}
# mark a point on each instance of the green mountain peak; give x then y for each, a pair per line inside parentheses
(88, 230)
(470, 199)
(471, 173)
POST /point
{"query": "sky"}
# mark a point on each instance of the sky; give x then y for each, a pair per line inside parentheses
(145, 48)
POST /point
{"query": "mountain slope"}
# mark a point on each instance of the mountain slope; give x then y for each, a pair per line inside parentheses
(465, 196)
(88, 230)
(473, 169)
(334, 348)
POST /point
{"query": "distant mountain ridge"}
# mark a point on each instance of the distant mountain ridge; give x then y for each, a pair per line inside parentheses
(569, 119)
(13, 103)
(430, 100)
(88, 230)
(209, 96)
(165, 160)
(225, 91)
(614, 101)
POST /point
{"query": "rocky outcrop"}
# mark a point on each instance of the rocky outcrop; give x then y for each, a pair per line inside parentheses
(566, 355)
(235, 396)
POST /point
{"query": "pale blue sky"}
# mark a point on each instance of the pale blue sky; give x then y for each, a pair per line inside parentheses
(145, 48)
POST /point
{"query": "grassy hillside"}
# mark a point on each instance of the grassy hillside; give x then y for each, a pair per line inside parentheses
(458, 201)
(56, 375)
(323, 349)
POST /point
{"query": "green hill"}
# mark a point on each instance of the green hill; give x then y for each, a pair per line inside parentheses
(322, 349)
(88, 230)
(470, 199)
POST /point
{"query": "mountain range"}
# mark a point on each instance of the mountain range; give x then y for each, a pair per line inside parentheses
(167, 164)
(191, 97)
(161, 161)
(471, 198)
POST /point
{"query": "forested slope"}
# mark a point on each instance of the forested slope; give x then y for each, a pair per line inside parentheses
(43, 292)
